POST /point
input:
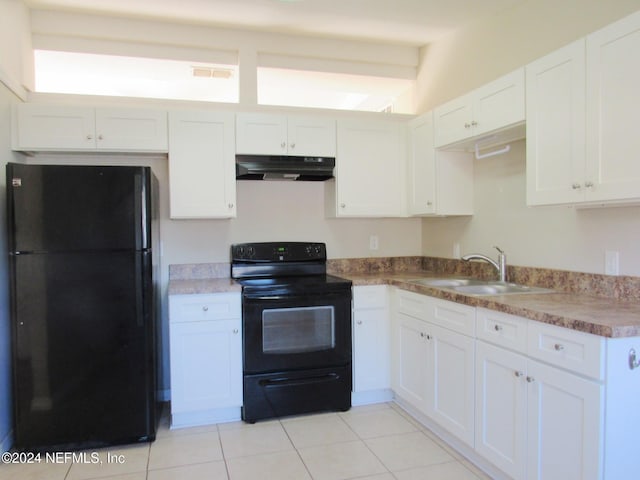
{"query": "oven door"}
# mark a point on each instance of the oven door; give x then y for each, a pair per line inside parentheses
(289, 332)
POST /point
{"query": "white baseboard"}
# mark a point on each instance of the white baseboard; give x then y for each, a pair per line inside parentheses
(371, 396)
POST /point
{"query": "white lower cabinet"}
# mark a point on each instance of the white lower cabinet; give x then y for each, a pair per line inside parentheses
(206, 358)
(533, 420)
(371, 345)
(434, 366)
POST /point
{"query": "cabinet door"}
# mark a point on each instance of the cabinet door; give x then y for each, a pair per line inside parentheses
(131, 130)
(261, 134)
(450, 381)
(311, 136)
(206, 365)
(370, 167)
(499, 104)
(201, 165)
(421, 172)
(371, 349)
(565, 415)
(613, 77)
(555, 87)
(501, 413)
(454, 121)
(410, 358)
(54, 127)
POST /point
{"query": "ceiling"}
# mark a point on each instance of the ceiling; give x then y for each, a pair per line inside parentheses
(403, 22)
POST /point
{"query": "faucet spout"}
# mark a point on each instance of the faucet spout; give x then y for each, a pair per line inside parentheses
(500, 265)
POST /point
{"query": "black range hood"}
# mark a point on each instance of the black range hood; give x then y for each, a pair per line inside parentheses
(277, 167)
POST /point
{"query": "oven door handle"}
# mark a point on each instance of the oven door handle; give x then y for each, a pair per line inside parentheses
(292, 382)
(289, 297)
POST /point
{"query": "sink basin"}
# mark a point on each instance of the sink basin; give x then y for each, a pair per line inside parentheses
(498, 288)
(473, 286)
(447, 282)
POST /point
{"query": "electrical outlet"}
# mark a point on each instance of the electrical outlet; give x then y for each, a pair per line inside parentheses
(611, 262)
(373, 242)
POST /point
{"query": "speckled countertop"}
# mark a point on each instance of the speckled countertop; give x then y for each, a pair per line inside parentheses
(607, 317)
(597, 304)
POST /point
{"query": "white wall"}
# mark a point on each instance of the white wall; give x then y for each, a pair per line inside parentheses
(551, 237)
(16, 55)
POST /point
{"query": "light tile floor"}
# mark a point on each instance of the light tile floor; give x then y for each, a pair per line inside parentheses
(375, 442)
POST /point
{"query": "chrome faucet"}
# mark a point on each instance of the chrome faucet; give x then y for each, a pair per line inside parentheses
(500, 265)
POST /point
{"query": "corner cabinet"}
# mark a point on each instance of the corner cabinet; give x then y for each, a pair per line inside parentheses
(205, 345)
(371, 345)
(202, 179)
(581, 105)
(370, 170)
(438, 182)
(269, 134)
(38, 127)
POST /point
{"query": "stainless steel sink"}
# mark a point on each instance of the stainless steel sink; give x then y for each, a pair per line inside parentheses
(476, 287)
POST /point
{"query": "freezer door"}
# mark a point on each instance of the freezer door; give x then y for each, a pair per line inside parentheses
(83, 337)
(55, 208)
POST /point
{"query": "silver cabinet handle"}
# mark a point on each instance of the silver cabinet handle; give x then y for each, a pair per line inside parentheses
(422, 334)
(100, 137)
(235, 330)
(558, 347)
(205, 309)
(497, 327)
(429, 204)
(293, 145)
(89, 137)
(576, 186)
(467, 125)
(231, 205)
(474, 123)
(342, 205)
(531, 379)
(588, 184)
(283, 144)
(359, 322)
(518, 373)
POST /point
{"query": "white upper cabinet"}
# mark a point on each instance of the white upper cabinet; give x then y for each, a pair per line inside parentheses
(613, 102)
(267, 134)
(581, 103)
(64, 128)
(370, 169)
(202, 181)
(492, 107)
(438, 183)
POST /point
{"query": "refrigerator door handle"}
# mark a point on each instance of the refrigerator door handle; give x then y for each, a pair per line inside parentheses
(140, 205)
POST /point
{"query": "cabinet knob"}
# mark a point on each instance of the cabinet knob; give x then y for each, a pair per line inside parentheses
(588, 184)
(359, 322)
(497, 327)
(100, 137)
(428, 337)
(429, 204)
(205, 309)
(231, 205)
(474, 124)
(531, 379)
(518, 373)
(283, 144)
(558, 347)
(89, 137)
(467, 125)
(293, 145)
(422, 334)
(576, 186)
(342, 205)
(235, 330)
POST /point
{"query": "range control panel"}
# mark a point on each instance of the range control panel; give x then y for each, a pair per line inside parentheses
(278, 252)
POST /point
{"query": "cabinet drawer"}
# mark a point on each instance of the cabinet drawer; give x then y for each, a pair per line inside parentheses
(370, 296)
(194, 308)
(502, 329)
(412, 304)
(576, 351)
(454, 316)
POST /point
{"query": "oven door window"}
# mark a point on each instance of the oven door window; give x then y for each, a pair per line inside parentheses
(298, 330)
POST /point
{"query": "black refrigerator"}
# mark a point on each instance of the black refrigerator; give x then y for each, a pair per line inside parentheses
(83, 304)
